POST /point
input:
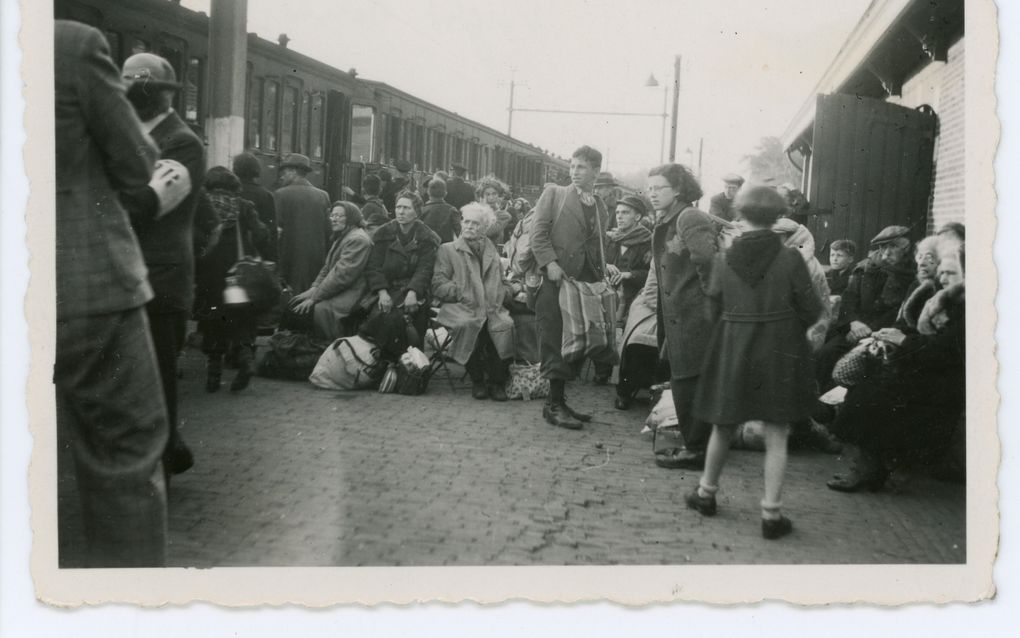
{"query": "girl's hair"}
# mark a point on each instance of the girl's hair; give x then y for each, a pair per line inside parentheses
(415, 198)
(437, 188)
(760, 205)
(490, 181)
(220, 177)
(351, 213)
(681, 179)
(845, 245)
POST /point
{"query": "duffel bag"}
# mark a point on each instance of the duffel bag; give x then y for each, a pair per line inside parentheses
(350, 363)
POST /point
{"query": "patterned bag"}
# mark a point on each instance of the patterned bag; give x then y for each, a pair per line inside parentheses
(866, 358)
(526, 382)
(589, 321)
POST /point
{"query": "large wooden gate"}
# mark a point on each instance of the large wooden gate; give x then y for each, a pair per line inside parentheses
(871, 166)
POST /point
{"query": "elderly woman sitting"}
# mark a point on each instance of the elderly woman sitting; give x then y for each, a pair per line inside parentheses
(468, 282)
(335, 293)
(913, 406)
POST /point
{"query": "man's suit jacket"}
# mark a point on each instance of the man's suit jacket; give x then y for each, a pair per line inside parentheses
(101, 149)
(168, 242)
(560, 234)
(302, 211)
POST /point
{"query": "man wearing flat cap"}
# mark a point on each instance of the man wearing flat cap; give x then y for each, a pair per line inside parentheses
(607, 188)
(721, 204)
(167, 240)
(401, 181)
(302, 210)
(878, 285)
(458, 190)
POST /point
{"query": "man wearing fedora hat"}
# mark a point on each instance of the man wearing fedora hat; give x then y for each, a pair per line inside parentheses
(458, 190)
(167, 241)
(607, 188)
(302, 211)
(721, 204)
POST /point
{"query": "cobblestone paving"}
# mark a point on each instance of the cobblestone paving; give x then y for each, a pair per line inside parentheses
(287, 474)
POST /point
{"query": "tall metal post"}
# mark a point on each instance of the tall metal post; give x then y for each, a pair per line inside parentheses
(676, 102)
(701, 150)
(510, 109)
(662, 136)
(228, 52)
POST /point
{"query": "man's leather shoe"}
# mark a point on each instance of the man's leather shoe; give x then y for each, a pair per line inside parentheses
(178, 459)
(705, 505)
(621, 403)
(497, 392)
(772, 529)
(479, 390)
(559, 415)
(682, 460)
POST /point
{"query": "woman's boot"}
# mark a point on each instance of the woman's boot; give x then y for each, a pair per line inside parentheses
(245, 368)
(214, 372)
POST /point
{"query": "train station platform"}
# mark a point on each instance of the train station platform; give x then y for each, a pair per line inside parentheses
(290, 475)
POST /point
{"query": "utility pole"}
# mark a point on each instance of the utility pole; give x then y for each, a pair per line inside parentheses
(676, 102)
(510, 110)
(228, 53)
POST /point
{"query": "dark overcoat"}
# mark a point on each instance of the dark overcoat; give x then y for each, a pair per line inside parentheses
(168, 242)
(683, 247)
(459, 192)
(396, 267)
(265, 206)
(759, 364)
(442, 218)
(303, 214)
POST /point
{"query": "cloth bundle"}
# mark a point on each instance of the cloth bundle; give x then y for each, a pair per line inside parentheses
(589, 321)
(350, 363)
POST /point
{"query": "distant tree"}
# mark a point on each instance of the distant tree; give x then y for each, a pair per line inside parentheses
(770, 165)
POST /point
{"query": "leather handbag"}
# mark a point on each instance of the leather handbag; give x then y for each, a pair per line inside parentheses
(251, 280)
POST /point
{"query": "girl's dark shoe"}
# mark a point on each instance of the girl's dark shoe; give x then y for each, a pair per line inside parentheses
(214, 373)
(705, 505)
(772, 529)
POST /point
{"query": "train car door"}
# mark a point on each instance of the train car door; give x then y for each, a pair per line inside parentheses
(338, 126)
(870, 167)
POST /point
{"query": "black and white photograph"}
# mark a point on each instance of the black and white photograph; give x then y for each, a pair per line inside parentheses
(591, 286)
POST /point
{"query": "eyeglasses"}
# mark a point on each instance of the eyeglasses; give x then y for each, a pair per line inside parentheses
(656, 189)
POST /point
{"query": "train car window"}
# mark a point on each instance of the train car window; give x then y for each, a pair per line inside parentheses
(254, 118)
(115, 48)
(419, 145)
(288, 119)
(270, 93)
(304, 117)
(193, 90)
(139, 45)
(362, 133)
(473, 160)
(439, 149)
(315, 119)
(79, 13)
(393, 133)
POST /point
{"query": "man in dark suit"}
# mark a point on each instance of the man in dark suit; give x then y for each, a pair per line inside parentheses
(566, 242)
(249, 170)
(302, 211)
(458, 191)
(167, 241)
(109, 402)
(399, 182)
(721, 204)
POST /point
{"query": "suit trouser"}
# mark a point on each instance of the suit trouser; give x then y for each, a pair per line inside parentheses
(484, 361)
(550, 334)
(110, 406)
(168, 330)
(695, 431)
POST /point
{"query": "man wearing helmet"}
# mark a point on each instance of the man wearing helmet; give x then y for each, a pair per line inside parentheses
(166, 241)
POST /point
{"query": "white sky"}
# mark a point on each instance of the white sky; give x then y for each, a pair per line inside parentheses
(748, 65)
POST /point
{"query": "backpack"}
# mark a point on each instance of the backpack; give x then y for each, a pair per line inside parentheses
(518, 249)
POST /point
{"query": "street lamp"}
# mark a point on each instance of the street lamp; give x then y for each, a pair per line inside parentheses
(676, 99)
(652, 83)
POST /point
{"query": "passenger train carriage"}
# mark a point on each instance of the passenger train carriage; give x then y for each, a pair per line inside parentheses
(346, 125)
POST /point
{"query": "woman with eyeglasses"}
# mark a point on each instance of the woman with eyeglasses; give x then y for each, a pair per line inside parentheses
(683, 247)
(338, 288)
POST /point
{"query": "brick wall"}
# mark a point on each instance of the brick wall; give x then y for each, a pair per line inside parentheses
(941, 86)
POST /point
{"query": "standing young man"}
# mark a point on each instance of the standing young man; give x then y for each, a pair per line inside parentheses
(566, 242)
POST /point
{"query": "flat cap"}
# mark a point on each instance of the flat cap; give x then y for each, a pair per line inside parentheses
(402, 165)
(733, 178)
(635, 202)
(888, 234)
(296, 160)
(605, 178)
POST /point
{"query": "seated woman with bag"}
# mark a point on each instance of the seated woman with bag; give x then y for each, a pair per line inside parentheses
(914, 403)
(399, 270)
(340, 285)
(469, 284)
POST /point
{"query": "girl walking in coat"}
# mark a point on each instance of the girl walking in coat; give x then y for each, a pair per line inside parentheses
(335, 293)
(469, 283)
(758, 365)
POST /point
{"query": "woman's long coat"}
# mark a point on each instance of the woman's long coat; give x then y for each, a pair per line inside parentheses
(397, 268)
(472, 293)
(341, 282)
(683, 246)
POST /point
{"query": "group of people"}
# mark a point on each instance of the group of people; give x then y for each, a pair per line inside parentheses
(730, 306)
